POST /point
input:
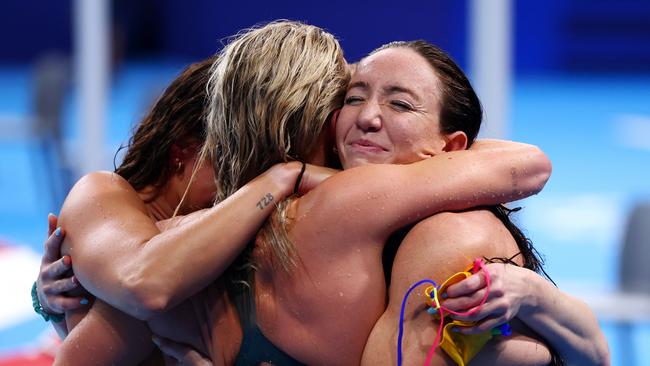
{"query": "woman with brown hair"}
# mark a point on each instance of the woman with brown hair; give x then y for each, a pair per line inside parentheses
(113, 224)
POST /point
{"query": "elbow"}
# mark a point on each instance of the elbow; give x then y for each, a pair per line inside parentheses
(601, 351)
(541, 170)
(146, 297)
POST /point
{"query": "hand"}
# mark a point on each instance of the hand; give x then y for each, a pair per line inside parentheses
(55, 277)
(509, 289)
(182, 353)
(313, 176)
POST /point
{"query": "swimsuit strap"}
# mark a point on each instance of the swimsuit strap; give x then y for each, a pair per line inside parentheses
(255, 347)
(246, 308)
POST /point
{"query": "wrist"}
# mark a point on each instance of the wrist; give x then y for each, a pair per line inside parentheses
(38, 308)
(533, 297)
(285, 176)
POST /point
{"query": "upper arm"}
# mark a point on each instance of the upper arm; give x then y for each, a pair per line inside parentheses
(106, 223)
(433, 249)
(436, 248)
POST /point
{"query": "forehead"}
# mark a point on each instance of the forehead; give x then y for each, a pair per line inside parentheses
(400, 67)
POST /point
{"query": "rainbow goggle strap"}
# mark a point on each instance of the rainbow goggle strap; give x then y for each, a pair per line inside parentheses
(433, 293)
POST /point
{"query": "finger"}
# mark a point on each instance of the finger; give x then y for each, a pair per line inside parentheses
(171, 349)
(485, 326)
(60, 267)
(467, 286)
(180, 352)
(61, 304)
(478, 313)
(61, 286)
(53, 246)
(465, 303)
(51, 223)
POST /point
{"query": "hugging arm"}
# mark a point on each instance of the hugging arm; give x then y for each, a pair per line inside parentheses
(494, 173)
(55, 279)
(121, 256)
(566, 323)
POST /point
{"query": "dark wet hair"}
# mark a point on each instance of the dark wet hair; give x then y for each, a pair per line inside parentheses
(176, 118)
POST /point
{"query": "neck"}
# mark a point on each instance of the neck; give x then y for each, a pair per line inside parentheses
(160, 204)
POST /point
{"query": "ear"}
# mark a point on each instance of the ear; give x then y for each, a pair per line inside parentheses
(455, 141)
(176, 154)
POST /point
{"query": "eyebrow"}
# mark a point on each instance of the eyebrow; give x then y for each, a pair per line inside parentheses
(358, 84)
(391, 89)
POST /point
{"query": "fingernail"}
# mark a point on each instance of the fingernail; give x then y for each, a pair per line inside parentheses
(84, 301)
(67, 260)
(57, 232)
(75, 280)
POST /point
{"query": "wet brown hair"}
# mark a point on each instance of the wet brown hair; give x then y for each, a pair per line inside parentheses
(177, 117)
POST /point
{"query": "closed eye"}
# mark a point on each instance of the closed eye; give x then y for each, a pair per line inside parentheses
(353, 100)
(401, 105)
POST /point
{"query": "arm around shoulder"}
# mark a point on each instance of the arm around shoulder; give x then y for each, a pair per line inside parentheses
(567, 323)
(495, 173)
(120, 255)
(536, 167)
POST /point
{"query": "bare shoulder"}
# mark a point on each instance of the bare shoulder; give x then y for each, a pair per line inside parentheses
(467, 229)
(448, 242)
(99, 183)
(97, 188)
(100, 206)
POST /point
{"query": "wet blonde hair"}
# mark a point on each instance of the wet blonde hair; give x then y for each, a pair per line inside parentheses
(271, 92)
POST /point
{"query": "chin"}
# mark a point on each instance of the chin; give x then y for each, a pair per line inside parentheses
(353, 163)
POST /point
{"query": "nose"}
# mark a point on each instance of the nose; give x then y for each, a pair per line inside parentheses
(369, 118)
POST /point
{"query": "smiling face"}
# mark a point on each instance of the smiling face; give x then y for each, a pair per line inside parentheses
(391, 111)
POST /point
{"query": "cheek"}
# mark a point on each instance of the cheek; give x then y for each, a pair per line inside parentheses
(343, 123)
(206, 188)
(414, 144)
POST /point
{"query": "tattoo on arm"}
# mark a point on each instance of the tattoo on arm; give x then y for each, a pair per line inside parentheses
(265, 201)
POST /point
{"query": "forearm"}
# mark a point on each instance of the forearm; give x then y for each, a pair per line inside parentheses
(566, 323)
(183, 259)
(464, 179)
(529, 167)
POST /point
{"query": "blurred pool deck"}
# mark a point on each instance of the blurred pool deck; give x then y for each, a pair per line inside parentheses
(595, 129)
